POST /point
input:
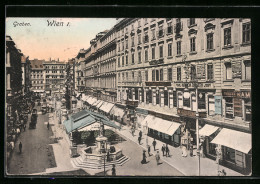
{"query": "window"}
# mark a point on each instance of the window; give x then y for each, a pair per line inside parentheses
(126, 44)
(186, 102)
(139, 39)
(123, 45)
(229, 108)
(247, 70)
(133, 42)
(248, 115)
(139, 23)
(227, 36)
(118, 47)
(139, 57)
(153, 34)
(149, 96)
(133, 58)
(146, 54)
(179, 73)
(169, 74)
(153, 52)
(165, 97)
(193, 72)
(228, 71)
(192, 21)
(210, 41)
(178, 48)
(153, 75)
(133, 76)
(161, 51)
(123, 62)
(126, 30)
(169, 28)
(118, 62)
(170, 49)
(146, 37)
(139, 76)
(126, 59)
(201, 101)
(157, 75)
(127, 76)
(132, 27)
(210, 71)
(160, 33)
(157, 97)
(146, 75)
(192, 45)
(161, 74)
(119, 77)
(247, 32)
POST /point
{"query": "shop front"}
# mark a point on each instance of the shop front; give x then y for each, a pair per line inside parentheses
(163, 130)
(235, 149)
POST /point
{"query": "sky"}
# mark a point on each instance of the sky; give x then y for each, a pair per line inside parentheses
(39, 41)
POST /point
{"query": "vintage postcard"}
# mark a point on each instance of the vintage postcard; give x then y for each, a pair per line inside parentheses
(120, 97)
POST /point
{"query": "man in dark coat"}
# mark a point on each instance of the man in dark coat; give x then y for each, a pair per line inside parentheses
(163, 149)
(113, 170)
(154, 144)
(140, 134)
(20, 147)
(108, 156)
(144, 158)
(139, 140)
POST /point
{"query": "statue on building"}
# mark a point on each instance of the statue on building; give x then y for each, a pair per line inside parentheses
(101, 129)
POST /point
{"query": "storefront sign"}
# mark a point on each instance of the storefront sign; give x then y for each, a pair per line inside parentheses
(201, 74)
(236, 94)
(132, 103)
(238, 107)
(191, 85)
(236, 69)
(192, 114)
(218, 105)
(158, 83)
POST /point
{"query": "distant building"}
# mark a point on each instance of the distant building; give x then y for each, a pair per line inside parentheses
(26, 74)
(37, 76)
(54, 76)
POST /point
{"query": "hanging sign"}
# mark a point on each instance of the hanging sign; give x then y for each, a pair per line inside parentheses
(218, 105)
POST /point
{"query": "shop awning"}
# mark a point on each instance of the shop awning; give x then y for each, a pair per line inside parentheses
(106, 107)
(96, 103)
(116, 111)
(92, 101)
(100, 103)
(89, 100)
(207, 130)
(84, 97)
(234, 139)
(161, 125)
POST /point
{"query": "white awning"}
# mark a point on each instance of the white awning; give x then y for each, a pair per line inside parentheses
(89, 100)
(161, 125)
(117, 111)
(96, 103)
(207, 130)
(99, 104)
(92, 101)
(106, 107)
(84, 97)
(234, 139)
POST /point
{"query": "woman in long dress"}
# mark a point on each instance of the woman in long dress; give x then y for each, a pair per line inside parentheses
(184, 151)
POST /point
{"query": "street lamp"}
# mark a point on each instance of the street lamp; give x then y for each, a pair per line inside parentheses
(187, 69)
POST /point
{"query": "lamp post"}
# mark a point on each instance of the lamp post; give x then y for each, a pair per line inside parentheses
(187, 69)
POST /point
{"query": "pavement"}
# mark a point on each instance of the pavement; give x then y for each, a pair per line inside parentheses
(186, 165)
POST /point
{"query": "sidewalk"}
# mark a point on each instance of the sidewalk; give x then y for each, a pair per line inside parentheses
(186, 165)
(60, 149)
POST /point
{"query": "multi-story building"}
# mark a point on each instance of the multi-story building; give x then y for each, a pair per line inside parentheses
(26, 74)
(13, 78)
(171, 71)
(80, 65)
(54, 76)
(37, 76)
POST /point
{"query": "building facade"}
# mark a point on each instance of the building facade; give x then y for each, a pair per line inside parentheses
(54, 73)
(37, 76)
(26, 74)
(180, 70)
(79, 70)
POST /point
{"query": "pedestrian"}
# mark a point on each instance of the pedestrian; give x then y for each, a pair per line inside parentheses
(163, 149)
(167, 151)
(48, 125)
(24, 127)
(108, 156)
(113, 170)
(20, 147)
(191, 150)
(157, 157)
(149, 149)
(184, 151)
(140, 134)
(154, 144)
(133, 131)
(139, 140)
(144, 158)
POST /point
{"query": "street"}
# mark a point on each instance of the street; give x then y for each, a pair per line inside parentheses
(37, 154)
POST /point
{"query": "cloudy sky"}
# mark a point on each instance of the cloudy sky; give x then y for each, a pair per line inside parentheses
(38, 40)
